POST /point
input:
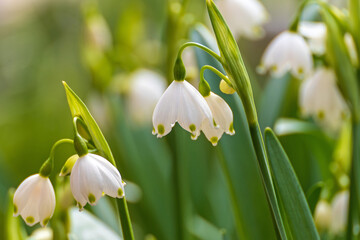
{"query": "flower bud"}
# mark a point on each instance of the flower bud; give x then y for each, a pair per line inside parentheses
(66, 169)
(226, 88)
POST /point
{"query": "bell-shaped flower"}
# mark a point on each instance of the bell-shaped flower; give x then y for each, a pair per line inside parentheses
(34, 200)
(93, 176)
(320, 98)
(287, 52)
(181, 103)
(322, 215)
(223, 119)
(315, 33)
(340, 207)
(146, 88)
(244, 17)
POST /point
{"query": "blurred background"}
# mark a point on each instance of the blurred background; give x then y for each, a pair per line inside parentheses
(98, 48)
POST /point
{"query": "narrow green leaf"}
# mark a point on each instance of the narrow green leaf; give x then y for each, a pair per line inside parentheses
(291, 196)
(313, 195)
(78, 108)
(203, 229)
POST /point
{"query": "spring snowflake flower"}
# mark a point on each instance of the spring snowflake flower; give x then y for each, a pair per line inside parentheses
(244, 17)
(322, 215)
(315, 32)
(34, 200)
(181, 103)
(339, 206)
(146, 88)
(93, 176)
(223, 119)
(319, 97)
(287, 52)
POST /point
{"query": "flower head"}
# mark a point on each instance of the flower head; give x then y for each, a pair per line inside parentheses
(319, 97)
(287, 52)
(91, 177)
(146, 88)
(223, 118)
(339, 206)
(34, 200)
(315, 32)
(181, 103)
(244, 17)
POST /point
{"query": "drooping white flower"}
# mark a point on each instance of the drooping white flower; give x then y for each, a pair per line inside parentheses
(34, 200)
(287, 52)
(244, 17)
(320, 98)
(315, 32)
(223, 118)
(146, 88)
(91, 177)
(181, 103)
(339, 206)
(322, 215)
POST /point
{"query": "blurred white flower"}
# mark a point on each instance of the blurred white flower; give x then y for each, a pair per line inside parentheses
(351, 47)
(34, 200)
(322, 215)
(315, 32)
(98, 32)
(93, 176)
(287, 52)
(320, 98)
(42, 234)
(339, 206)
(12, 11)
(223, 118)
(244, 17)
(181, 103)
(146, 88)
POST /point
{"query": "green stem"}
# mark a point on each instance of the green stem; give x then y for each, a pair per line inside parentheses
(125, 220)
(217, 72)
(268, 184)
(235, 207)
(48, 165)
(295, 22)
(202, 47)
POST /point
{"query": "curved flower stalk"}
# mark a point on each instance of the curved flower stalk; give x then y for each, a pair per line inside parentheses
(93, 176)
(287, 52)
(146, 88)
(34, 200)
(315, 32)
(245, 17)
(320, 98)
(223, 118)
(181, 103)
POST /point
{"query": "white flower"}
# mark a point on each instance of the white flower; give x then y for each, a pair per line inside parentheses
(223, 118)
(339, 206)
(315, 32)
(91, 177)
(34, 200)
(322, 215)
(287, 52)
(146, 88)
(181, 103)
(319, 97)
(244, 17)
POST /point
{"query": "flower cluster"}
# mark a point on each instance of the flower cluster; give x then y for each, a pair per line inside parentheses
(183, 103)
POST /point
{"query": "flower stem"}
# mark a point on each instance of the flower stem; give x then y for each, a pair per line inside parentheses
(268, 184)
(202, 47)
(236, 210)
(125, 221)
(217, 72)
(48, 165)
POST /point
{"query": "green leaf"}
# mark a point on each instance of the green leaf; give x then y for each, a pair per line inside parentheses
(295, 208)
(79, 109)
(313, 195)
(203, 229)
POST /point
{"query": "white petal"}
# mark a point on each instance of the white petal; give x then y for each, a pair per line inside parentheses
(222, 113)
(213, 134)
(315, 32)
(288, 52)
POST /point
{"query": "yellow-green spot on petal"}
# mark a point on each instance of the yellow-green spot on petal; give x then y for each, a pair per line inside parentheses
(300, 70)
(321, 114)
(231, 127)
(120, 192)
(214, 140)
(15, 209)
(214, 123)
(192, 127)
(46, 220)
(79, 205)
(92, 198)
(153, 130)
(161, 129)
(274, 68)
(30, 219)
